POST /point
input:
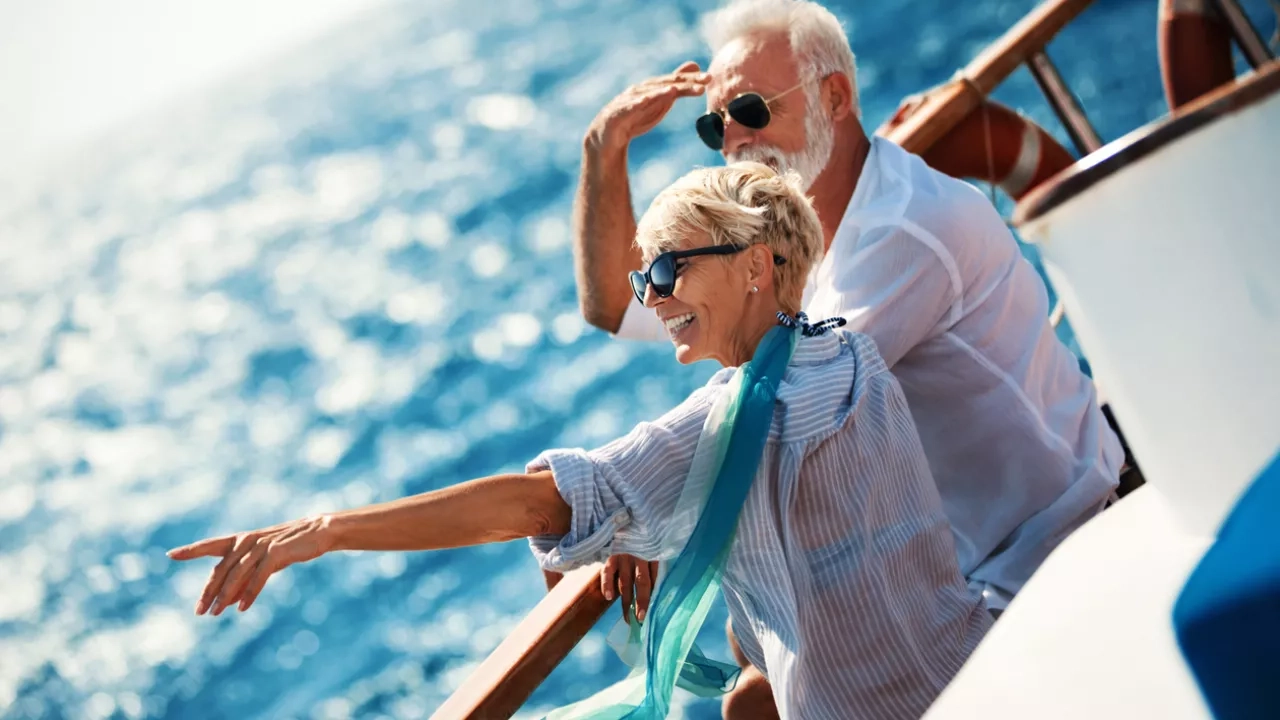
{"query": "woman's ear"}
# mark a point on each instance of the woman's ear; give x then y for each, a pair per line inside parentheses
(760, 266)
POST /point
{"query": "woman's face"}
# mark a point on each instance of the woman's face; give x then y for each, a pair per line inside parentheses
(704, 313)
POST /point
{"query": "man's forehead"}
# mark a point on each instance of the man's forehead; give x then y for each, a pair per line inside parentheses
(759, 62)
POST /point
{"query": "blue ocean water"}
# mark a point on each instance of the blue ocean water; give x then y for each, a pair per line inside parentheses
(343, 278)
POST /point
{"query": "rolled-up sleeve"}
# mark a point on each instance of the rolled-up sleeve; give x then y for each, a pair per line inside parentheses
(622, 495)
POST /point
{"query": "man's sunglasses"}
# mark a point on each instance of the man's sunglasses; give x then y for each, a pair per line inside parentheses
(748, 109)
(662, 271)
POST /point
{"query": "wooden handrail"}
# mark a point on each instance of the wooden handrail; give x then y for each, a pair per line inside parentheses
(948, 105)
(501, 684)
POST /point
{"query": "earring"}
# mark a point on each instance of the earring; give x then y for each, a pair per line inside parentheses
(755, 289)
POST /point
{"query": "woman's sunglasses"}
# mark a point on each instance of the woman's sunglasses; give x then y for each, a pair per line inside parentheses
(663, 270)
(748, 109)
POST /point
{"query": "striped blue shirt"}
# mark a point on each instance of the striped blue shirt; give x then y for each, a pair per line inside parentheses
(843, 582)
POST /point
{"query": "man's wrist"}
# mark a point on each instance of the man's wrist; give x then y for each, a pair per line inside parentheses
(600, 144)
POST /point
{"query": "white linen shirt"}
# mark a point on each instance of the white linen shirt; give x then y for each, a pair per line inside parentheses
(1018, 446)
(842, 581)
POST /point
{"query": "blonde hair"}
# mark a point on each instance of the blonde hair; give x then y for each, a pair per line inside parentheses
(740, 204)
(817, 39)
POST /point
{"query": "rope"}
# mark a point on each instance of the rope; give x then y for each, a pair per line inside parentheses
(961, 77)
(1056, 314)
(991, 161)
(807, 329)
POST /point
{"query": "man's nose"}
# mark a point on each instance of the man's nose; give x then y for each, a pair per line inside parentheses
(736, 137)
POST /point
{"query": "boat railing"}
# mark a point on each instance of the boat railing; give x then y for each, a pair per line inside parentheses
(500, 685)
(509, 675)
(1025, 44)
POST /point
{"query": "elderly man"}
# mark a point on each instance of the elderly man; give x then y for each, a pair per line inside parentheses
(919, 261)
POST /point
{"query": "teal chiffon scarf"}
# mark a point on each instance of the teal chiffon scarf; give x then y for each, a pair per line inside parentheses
(720, 478)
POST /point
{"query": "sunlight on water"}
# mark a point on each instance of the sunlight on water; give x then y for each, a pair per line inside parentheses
(344, 278)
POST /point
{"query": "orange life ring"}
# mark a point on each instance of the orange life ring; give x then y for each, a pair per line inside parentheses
(1195, 50)
(1019, 156)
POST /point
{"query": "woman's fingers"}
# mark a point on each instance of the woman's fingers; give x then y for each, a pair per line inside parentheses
(242, 544)
(249, 559)
(644, 587)
(626, 583)
(204, 548)
(607, 577)
(237, 579)
(629, 578)
(265, 569)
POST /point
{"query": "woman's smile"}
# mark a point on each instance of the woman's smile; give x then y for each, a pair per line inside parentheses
(677, 324)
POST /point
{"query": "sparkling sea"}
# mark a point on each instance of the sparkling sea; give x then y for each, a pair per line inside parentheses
(343, 277)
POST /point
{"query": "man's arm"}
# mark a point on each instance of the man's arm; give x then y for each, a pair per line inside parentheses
(603, 251)
(603, 231)
(604, 227)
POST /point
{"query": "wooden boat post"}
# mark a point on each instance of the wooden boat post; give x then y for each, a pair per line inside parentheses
(948, 105)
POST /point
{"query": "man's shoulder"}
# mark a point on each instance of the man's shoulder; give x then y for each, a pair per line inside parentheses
(903, 190)
(936, 193)
(914, 200)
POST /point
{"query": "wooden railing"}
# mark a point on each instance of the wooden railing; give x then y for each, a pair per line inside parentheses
(1024, 44)
(944, 108)
(502, 683)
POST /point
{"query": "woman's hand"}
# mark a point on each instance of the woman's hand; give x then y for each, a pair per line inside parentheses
(249, 559)
(624, 574)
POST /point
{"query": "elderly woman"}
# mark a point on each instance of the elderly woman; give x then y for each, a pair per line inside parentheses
(794, 481)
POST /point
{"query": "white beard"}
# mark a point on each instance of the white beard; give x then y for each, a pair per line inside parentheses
(820, 140)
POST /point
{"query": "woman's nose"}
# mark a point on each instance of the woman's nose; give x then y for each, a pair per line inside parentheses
(651, 297)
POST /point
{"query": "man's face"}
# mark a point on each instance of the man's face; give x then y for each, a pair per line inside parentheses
(799, 135)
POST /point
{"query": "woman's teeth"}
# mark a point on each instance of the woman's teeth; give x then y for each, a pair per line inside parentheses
(677, 323)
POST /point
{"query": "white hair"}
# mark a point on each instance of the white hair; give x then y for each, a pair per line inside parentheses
(817, 39)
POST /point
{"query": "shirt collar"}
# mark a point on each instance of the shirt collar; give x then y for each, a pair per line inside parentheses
(817, 349)
(866, 178)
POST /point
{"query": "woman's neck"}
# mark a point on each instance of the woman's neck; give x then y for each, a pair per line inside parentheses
(761, 315)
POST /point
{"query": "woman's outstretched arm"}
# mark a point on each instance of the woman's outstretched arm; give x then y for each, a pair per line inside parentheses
(493, 509)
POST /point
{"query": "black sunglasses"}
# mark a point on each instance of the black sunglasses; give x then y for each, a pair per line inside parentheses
(748, 109)
(662, 271)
